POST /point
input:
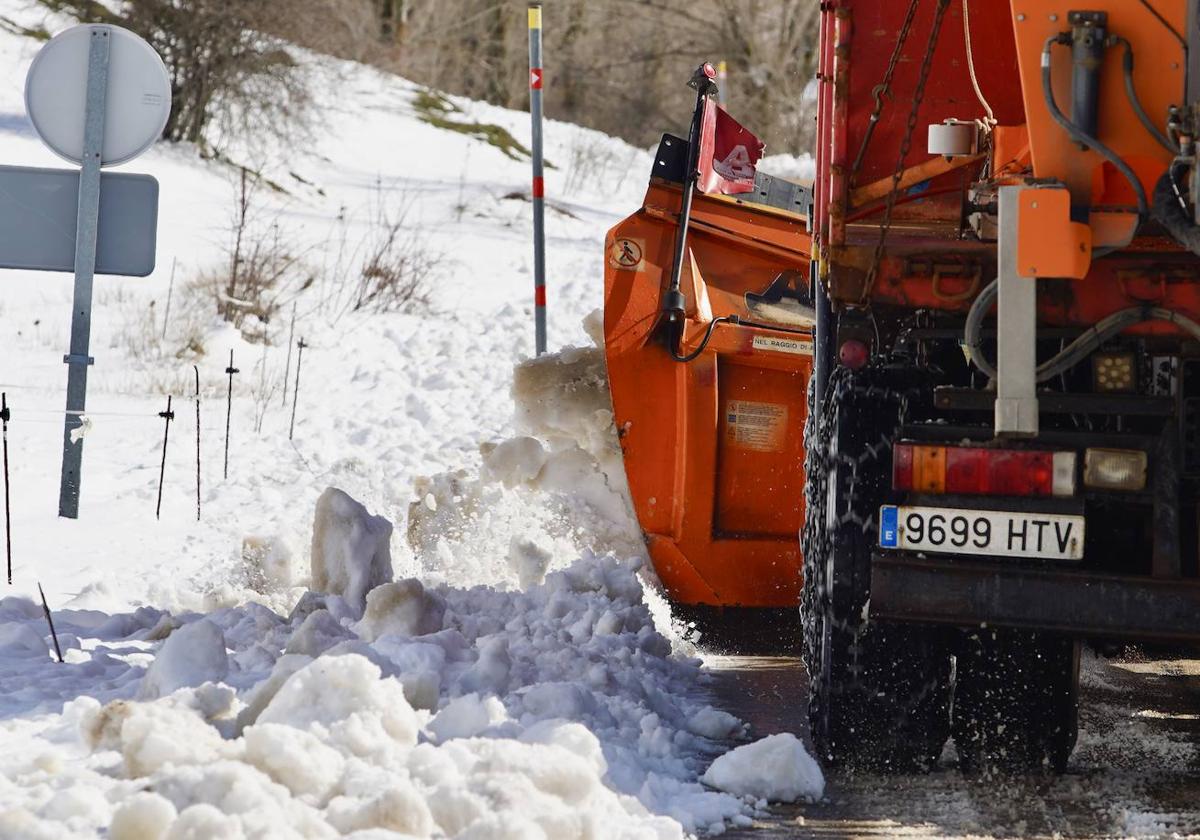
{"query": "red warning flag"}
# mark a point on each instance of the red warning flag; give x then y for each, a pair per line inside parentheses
(728, 153)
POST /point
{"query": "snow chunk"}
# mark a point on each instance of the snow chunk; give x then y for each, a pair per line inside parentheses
(776, 768)
(529, 560)
(143, 816)
(400, 808)
(265, 691)
(152, 735)
(466, 717)
(192, 655)
(294, 758)
(249, 803)
(22, 641)
(563, 397)
(319, 632)
(203, 821)
(403, 608)
(515, 461)
(351, 554)
(345, 690)
(714, 724)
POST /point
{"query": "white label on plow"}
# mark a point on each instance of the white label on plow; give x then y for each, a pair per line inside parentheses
(799, 347)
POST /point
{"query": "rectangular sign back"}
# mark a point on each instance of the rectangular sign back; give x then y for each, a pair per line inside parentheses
(38, 210)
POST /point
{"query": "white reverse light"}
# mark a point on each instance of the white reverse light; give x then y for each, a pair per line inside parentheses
(1115, 469)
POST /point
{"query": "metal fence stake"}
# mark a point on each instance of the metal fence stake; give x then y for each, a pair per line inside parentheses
(170, 289)
(168, 416)
(539, 191)
(231, 370)
(50, 621)
(87, 226)
(4, 416)
(197, 370)
(296, 390)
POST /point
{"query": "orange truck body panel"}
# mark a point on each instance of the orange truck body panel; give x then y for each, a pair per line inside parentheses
(713, 448)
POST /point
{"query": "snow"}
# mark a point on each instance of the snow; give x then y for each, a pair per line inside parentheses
(776, 768)
(192, 655)
(428, 612)
(350, 549)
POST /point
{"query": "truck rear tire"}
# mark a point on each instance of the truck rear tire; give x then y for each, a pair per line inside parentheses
(879, 693)
(1015, 701)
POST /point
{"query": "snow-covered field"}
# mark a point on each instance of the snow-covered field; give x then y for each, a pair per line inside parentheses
(518, 679)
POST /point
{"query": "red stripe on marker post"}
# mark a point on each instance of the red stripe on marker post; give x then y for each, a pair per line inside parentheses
(539, 296)
(535, 78)
(539, 187)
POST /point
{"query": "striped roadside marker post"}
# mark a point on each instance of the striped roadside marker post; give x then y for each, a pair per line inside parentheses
(538, 192)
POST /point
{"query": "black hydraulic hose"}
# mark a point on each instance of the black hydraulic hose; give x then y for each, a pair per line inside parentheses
(1170, 208)
(1079, 136)
(1079, 349)
(712, 325)
(1131, 94)
(730, 319)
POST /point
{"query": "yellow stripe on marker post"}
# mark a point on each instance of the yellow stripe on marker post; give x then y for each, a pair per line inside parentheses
(535, 17)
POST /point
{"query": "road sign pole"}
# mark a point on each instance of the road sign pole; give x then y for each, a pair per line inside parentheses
(78, 359)
(539, 192)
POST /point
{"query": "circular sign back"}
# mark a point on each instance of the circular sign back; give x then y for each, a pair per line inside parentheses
(138, 100)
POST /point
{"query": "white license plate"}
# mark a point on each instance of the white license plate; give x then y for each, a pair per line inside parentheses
(995, 532)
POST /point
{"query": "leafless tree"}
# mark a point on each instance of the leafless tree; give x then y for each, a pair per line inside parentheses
(229, 61)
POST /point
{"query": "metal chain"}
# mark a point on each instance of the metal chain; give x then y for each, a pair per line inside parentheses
(855, 506)
(884, 88)
(905, 145)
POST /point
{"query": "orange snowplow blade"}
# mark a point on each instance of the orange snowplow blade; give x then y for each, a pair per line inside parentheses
(713, 448)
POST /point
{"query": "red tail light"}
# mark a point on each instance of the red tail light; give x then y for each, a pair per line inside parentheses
(854, 353)
(977, 471)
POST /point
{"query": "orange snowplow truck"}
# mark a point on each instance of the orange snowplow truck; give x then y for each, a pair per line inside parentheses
(1003, 442)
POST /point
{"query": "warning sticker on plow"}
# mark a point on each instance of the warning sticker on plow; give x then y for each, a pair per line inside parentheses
(627, 254)
(757, 426)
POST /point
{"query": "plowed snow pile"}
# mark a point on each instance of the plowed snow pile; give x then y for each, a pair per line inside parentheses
(558, 712)
(424, 612)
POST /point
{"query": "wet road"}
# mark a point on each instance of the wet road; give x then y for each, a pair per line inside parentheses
(1134, 773)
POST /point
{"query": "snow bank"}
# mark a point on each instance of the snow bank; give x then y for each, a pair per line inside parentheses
(776, 768)
(558, 711)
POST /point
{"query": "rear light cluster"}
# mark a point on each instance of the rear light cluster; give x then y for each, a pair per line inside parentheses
(978, 471)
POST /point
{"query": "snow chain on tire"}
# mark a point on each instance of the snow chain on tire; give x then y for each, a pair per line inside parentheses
(879, 692)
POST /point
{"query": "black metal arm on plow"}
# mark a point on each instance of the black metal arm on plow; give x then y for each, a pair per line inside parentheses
(672, 300)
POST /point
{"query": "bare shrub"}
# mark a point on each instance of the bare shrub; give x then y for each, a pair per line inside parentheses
(397, 266)
(595, 164)
(390, 269)
(266, 381)
(262, 267)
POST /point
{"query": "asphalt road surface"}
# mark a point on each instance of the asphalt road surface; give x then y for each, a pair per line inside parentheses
(1135, 771)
